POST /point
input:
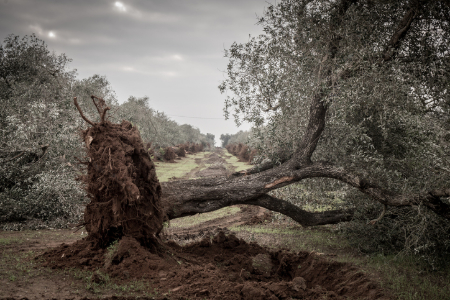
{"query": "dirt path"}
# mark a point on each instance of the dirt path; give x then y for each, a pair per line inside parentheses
(212, 164)
(246, 215)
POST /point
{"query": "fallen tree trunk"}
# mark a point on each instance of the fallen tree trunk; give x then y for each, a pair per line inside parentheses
(183, 198)
(189, 197)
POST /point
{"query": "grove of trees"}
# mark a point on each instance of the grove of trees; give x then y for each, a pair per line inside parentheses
(39, 132)
(238, 137)
(349, 101)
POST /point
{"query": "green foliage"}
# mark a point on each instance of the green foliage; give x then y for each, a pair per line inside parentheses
(156, 127)
(387, 119)
(413, 231)
(239, 137)
(224, 138)
(39, 128)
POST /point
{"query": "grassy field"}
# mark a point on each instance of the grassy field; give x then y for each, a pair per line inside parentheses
(178, 169)
(201, 218)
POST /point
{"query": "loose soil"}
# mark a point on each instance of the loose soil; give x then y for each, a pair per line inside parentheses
(220, 267)
(215, 264)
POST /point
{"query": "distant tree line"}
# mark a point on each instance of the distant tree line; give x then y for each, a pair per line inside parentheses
(156, 127)
(239, 137)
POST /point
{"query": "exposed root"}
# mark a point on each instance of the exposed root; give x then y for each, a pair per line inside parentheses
(81, 112)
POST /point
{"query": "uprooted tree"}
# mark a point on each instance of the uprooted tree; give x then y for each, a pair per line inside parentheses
(120, 181)
(339, 83)
(347, 77)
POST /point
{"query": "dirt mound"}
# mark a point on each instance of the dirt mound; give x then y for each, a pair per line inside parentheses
(215, 158)
(169, 155)
(255, 215)
(221, 267)
(120, 182)
(255, 220)
(216, 169)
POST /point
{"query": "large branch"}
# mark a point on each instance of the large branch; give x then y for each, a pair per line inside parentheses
(301, 216)
(400, 32)
(316, 125)
(430, 199)
(204, 203)
(189, 197)
(263, 166)
(318, 109)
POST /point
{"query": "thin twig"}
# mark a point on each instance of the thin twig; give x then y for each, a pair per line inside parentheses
(102, 104)
(17, 156)
(380, 217)
(104, 113)
(80, 161)
(98, 109)
(44, 151)
(110, 158)
(81, 113)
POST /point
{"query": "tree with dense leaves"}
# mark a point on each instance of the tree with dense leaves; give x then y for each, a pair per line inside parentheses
(355, 91)
(38, 134)
(224, 138)
(156, 127)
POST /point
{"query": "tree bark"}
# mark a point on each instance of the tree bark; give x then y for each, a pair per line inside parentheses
(189, 197)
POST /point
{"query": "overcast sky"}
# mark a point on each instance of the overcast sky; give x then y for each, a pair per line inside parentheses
(171, 51)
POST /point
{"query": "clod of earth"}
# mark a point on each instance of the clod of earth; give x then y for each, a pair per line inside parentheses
(223, 267)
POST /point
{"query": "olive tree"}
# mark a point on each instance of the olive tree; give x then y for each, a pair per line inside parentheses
(350, 91)
(157, 127)
(38, 134)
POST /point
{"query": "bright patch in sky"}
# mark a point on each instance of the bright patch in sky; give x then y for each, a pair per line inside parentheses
(177, 57)
(120, 6)
(51, 34)
(169, 74)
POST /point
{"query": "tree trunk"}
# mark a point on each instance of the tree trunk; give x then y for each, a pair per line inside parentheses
(189, 197)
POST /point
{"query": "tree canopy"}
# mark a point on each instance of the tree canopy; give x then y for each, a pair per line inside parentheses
(380, 69)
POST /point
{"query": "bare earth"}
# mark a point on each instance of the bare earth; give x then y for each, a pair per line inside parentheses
(201, 261)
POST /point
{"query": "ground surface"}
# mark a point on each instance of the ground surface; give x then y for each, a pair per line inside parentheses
(207, 256)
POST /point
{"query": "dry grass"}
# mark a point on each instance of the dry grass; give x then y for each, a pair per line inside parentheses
(204, 217)
(180, 168)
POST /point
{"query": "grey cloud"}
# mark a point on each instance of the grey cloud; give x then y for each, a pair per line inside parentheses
(134, 48)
